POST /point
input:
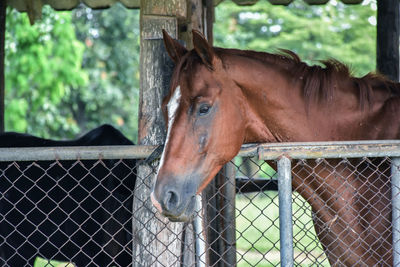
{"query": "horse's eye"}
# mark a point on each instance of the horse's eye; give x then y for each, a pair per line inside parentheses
(204, 109)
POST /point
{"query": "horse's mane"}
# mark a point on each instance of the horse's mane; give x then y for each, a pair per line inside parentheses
(319, 82)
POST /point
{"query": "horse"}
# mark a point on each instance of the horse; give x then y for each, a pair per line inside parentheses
(65, 210)
(222, 98)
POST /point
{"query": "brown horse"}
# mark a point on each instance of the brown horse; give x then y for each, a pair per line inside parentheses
(222, 98)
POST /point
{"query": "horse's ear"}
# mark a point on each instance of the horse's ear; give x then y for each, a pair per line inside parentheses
(174, 48)
(203, 49)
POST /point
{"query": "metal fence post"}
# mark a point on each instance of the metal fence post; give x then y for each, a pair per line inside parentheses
(285, 211)
(201, 257)
(395, 168)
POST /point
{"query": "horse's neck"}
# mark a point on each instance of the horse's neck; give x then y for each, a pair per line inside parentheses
(273, 105)
(278, 112)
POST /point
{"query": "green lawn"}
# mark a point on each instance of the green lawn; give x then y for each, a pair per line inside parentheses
(40, 262)
(257, 232)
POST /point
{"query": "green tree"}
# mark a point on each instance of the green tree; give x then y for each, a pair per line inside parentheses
(72, 71)
(42, 66)
(334, 30)
(111, 58)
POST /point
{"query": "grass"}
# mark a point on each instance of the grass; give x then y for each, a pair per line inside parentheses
(257, 224)
(40, 262)
(257, 232)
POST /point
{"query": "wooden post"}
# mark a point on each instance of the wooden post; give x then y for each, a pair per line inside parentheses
(156, 241)
(387, 47)
(194, 21)
(209, 20)
(3, 7)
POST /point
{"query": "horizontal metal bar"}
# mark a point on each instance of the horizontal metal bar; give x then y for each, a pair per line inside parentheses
(75, 153)
(270, 151)
(249, 150)
(347, 149)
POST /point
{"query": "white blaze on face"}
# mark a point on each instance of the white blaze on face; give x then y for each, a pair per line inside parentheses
(172, 107)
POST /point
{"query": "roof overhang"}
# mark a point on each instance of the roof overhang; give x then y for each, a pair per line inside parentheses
(34, 7)
(287, 2)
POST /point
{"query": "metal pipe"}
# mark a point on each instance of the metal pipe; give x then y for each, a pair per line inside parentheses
(75, 153)
(347, 149)
(285, 211)
(395, 168)
(200, 235)
(270, 151)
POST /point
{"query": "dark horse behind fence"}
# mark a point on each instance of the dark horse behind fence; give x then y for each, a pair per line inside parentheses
(74, 211)
(220, 99)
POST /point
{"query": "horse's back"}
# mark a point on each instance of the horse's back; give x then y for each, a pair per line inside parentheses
(104, 135)
(100, 136)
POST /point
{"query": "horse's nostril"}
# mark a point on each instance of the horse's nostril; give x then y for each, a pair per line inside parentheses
(171, 201)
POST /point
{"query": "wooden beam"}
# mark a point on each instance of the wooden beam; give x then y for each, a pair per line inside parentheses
(209, 20)
(157, 242)
(387, 47)
(2, 40)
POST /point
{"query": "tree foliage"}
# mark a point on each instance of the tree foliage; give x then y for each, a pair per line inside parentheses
(334, 30)
(42, 67)
(72, 71)
(111, 58)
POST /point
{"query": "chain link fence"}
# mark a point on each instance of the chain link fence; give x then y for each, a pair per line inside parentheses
(73, 211)
(79, 213)
(257, 213)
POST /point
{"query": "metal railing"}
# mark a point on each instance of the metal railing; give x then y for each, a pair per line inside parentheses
(284, 152)
(76, 156)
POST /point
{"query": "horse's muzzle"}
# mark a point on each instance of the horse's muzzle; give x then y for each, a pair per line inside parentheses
(176, 203)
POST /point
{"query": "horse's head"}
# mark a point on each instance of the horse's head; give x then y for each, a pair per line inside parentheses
(205, 124)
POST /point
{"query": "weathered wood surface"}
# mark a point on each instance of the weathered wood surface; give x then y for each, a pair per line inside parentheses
(209, 20)
(174, 8)
(156, 241)
(387, 47)
(152, 27)
(194, 21)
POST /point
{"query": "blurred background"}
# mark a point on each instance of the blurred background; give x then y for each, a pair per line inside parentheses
(72, 71)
